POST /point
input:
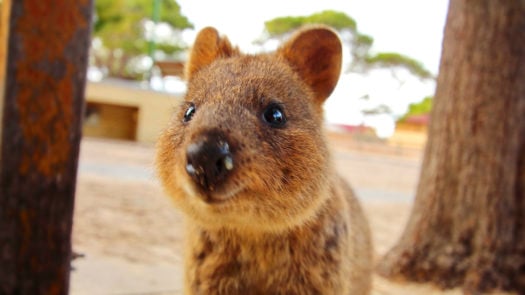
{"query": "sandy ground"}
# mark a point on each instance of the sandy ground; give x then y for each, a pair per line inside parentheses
(132, 236)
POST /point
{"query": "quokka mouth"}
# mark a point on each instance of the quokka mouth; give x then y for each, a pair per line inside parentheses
(217, 196)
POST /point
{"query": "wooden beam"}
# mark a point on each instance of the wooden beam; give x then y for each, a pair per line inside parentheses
(46, 56)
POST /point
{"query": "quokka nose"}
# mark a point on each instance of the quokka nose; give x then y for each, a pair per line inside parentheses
(209, 161)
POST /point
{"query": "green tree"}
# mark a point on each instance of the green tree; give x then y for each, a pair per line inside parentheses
(121, 26)
(337, 20)
(419, 108)
(396, 60)
(362, 59)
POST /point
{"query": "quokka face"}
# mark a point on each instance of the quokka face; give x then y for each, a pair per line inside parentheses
(245, 150)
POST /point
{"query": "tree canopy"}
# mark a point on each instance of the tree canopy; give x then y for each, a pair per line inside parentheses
(420, 108)
(337, 20)
(121, 26)
(119, 23)
(392, 59)
(360, 44)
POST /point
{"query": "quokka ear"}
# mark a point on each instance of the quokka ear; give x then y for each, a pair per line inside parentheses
(315, 53)
(208, 46)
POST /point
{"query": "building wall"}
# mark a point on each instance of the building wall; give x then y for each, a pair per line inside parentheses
(127, 112)
(409, 135)
(110, 121)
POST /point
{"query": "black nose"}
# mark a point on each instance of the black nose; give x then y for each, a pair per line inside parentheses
(209, 161)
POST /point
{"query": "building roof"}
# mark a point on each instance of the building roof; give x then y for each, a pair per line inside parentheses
(422, 119)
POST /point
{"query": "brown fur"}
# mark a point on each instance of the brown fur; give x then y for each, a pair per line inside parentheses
(282, 222)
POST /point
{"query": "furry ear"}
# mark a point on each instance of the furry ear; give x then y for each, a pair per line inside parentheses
(315, 53)
(208, 46)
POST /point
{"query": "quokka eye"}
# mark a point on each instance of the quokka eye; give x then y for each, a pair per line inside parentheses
(274, 115)
(188, 114)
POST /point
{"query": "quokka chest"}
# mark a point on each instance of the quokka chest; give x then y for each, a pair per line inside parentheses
(310, 257)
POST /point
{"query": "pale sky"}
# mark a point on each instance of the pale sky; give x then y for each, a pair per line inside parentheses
(410, 27)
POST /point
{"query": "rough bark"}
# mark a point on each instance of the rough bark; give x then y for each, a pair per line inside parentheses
(41, 126)
(467, 224)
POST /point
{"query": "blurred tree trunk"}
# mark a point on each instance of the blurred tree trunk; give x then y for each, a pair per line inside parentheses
(467, 224)
(40, 132)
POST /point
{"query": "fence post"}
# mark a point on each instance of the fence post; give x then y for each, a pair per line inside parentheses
(41, 104)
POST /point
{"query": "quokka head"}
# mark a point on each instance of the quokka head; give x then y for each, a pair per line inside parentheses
(245, 150)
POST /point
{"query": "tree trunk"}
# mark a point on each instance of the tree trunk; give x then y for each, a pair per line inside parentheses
(467, 224)
(40, 135)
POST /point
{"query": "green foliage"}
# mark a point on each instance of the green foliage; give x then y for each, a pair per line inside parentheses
(391, 59)
(421, 108)
(120, 26)
(337, 20)
(364, 39)
(360, 44)
(283, 25)
(117, 21)
(360, 47)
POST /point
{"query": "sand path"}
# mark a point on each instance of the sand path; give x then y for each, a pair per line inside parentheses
(131, 235)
